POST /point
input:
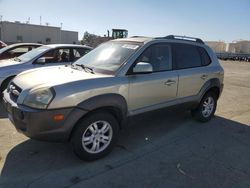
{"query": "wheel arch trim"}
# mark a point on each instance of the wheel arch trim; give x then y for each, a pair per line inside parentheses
(212, 83)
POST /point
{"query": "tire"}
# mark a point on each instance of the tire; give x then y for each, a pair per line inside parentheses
(5, 85)
(88, 129)
(202, 113)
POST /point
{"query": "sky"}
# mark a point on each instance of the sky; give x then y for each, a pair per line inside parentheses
(211, 20)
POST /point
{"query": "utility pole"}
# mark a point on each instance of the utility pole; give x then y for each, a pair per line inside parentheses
(28, 21)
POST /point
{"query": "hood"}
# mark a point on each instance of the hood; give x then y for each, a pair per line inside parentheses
(52, 76)
(7, 63)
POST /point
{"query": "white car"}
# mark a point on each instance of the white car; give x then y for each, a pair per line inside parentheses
(47, 55)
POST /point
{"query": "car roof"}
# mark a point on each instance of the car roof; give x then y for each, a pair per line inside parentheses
(21, 44)
(68, 45)
(135, 39)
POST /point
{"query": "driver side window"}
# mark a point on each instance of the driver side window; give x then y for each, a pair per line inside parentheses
(57, 56)
(159, 56)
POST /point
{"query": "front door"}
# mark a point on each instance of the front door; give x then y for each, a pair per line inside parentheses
(54, 57)
(158, 87)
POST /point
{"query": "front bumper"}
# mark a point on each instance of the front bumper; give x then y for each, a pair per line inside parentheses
(40, 124)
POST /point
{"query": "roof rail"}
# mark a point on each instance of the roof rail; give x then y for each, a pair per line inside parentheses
(178, 37)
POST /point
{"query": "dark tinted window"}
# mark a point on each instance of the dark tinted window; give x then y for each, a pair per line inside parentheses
(186, 56)
(158, 56)
(204, 56)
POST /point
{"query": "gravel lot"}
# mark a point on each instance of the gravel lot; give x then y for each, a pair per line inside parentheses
(160, 149)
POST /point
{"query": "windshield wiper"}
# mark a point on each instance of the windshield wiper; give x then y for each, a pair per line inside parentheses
(87, 69)
(17, 59)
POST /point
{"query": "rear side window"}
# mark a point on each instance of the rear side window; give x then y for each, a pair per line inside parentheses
(204, 56)
(186, 56)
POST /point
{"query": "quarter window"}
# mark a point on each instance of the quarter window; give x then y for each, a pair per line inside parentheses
(204, 56)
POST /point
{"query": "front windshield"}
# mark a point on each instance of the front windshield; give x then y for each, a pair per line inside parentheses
(109, 56)
(33, 53)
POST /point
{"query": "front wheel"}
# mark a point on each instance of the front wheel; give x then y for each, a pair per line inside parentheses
(206, 109)
(95, 136)
(5, 84)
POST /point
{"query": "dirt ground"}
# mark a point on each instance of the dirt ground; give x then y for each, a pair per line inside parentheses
(165, 148)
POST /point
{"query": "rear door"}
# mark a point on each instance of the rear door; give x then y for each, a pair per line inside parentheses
(192, 72)
(154, 88)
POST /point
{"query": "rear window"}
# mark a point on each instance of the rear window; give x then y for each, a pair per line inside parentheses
(186, 56)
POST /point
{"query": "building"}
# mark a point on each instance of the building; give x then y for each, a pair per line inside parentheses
(238, 47)
(13, 32)
(217, 46)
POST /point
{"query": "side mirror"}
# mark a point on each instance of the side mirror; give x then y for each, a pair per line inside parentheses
(143, 67)
(41, 60)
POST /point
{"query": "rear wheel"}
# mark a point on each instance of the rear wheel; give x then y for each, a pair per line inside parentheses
(95, 136)
(206, 109)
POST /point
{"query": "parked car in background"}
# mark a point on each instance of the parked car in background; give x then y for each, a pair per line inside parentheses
(88, 102)
(16, 50)
(2, 44)
(47, 55)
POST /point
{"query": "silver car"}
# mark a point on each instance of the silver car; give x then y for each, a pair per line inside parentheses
(88, 102)
(48, 55)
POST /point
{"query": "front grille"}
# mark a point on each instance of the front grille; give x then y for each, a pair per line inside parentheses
(14, 91)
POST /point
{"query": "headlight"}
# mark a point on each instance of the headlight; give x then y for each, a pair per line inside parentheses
(39, 98)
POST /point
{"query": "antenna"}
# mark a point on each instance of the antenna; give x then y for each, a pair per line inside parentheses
(1, 18)
(40, 20)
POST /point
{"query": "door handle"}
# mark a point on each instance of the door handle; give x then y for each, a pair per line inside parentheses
(204, 76)
(170, 82)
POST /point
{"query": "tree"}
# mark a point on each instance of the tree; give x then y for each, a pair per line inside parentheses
(89, 39)
(93, 40)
